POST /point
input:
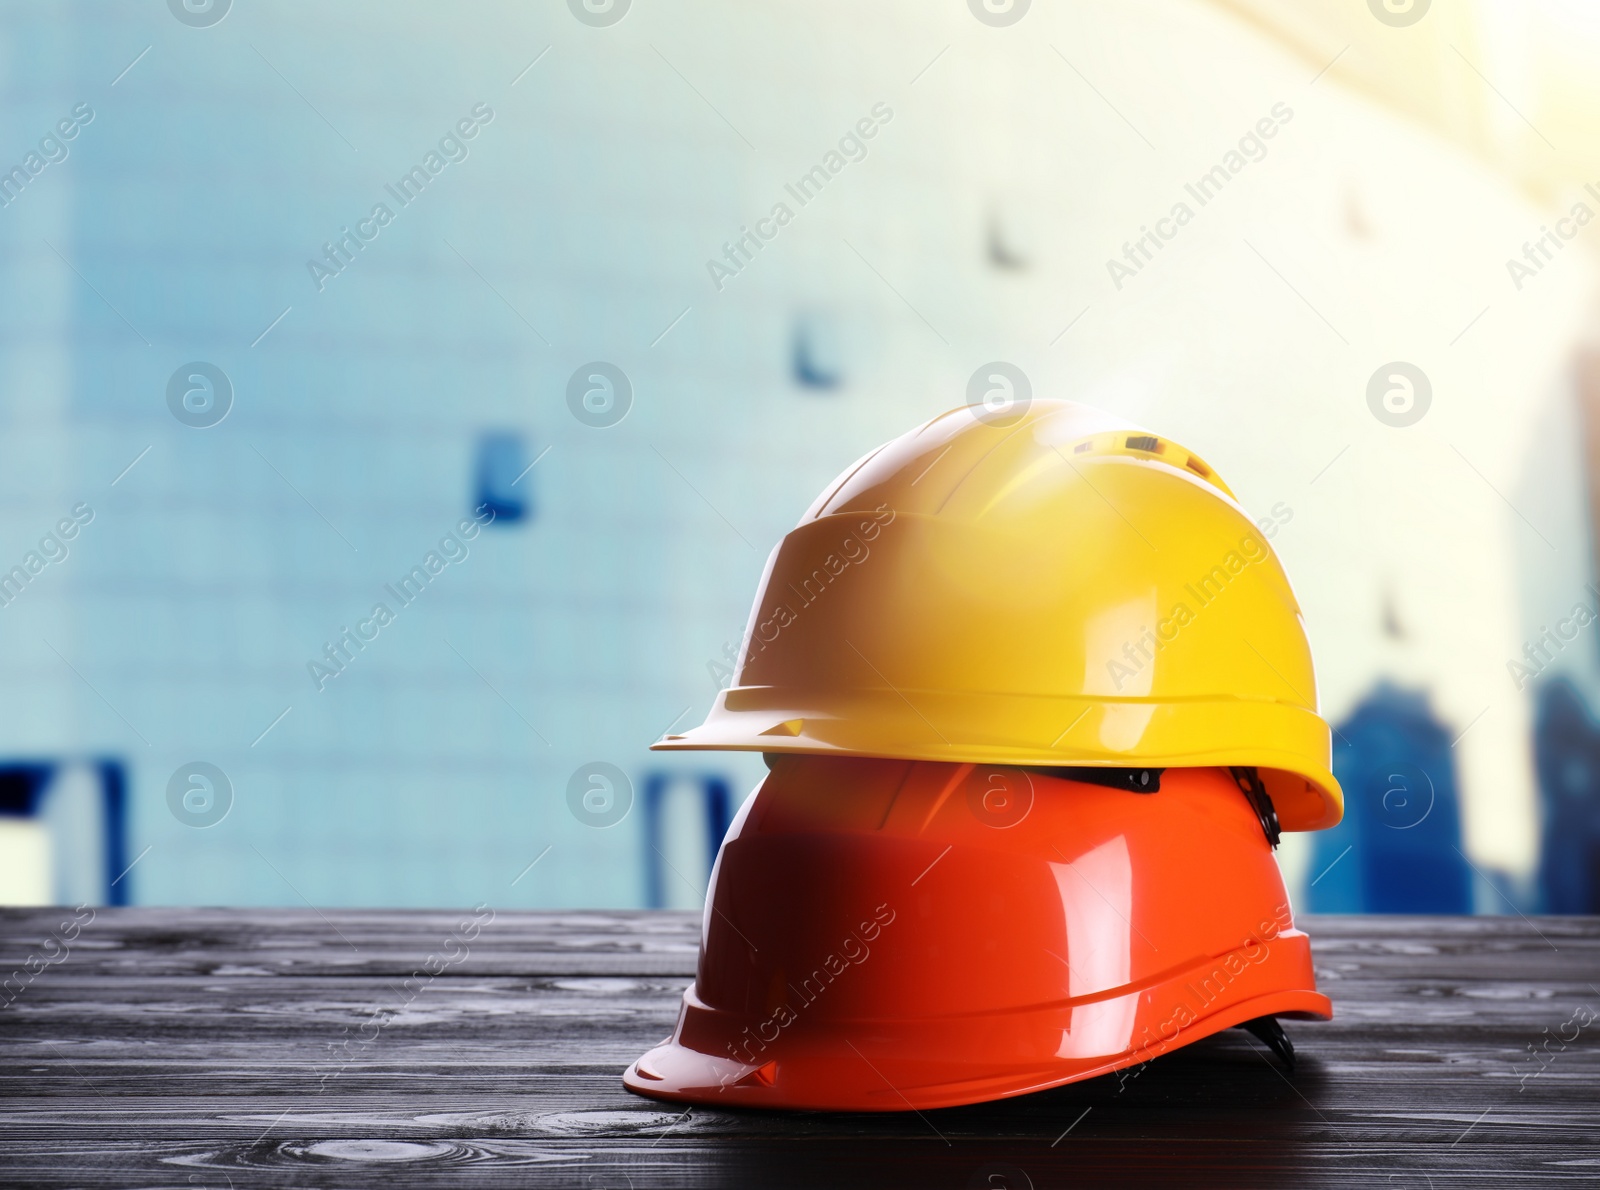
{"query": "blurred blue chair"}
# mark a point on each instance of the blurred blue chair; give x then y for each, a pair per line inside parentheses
(1566, 744)
(63, 832)
(1398, 848)
(717, 799)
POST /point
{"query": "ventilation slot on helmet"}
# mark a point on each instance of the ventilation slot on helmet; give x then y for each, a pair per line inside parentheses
(1146, 448)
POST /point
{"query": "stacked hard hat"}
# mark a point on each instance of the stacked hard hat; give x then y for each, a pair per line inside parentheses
(1036, 699)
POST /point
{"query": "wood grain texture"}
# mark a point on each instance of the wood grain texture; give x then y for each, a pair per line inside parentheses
(190, 1048)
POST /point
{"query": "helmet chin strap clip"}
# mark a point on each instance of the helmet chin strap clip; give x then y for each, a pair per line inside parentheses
(1250, 781)
(1267, 1030)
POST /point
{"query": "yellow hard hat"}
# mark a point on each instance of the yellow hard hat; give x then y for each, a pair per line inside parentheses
(1051, 588)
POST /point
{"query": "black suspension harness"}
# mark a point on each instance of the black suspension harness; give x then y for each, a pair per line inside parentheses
(1256, 793)
(1149, 781)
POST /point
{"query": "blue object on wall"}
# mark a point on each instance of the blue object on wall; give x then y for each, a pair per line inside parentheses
(1398, 849)
(501, 483)
(719, 813)
(22, 787)
(816, 354)
(114, 788)
(1566, 745)
(25, 787)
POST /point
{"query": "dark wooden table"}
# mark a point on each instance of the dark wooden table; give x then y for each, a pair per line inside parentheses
(191, 1048)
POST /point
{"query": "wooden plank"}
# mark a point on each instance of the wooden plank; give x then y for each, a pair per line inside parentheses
(379, 942)
(260, 1046)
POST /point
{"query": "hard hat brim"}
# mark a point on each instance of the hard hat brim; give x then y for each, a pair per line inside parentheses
(851, 1070)
(1030, 731)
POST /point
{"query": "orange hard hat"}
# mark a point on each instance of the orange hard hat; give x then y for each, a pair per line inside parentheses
(882, 935)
